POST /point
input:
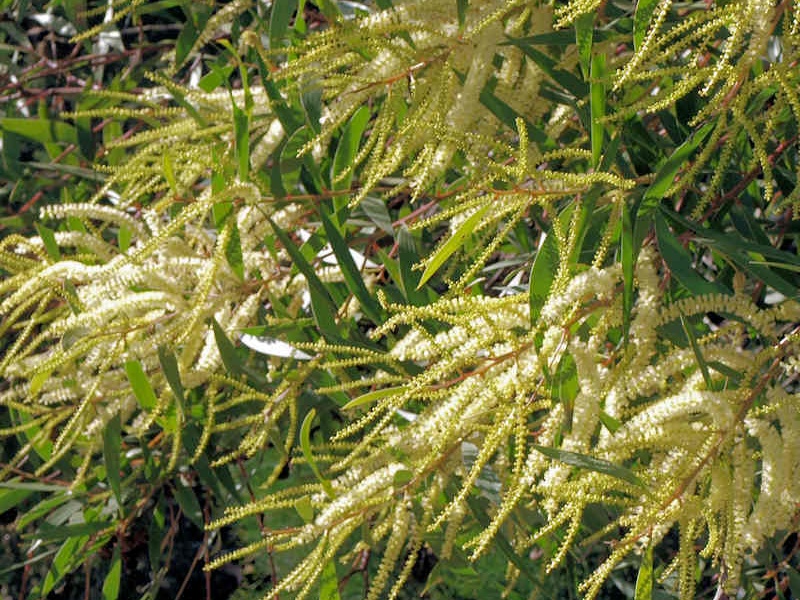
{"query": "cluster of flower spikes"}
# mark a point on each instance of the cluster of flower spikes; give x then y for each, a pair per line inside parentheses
(137, 275)
(740, 57)
(701, 439)
(425, 70)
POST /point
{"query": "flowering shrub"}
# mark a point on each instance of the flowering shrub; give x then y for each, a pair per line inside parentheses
(441, 281)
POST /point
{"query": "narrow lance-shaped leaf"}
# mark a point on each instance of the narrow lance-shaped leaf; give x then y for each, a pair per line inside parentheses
(233, 251)
(598, 106)
(679, 261)
(462, 6)
(350, 272)
(701, 361)
(452, 244)
(407, 258)
(347, 148)
(112, 580)
(584, 30)
(643, 217)
(329, 583)
(305, 447)
(187, 500)
(628, 253)
(644, 580)
(226, 349)
(112, 444)
(169, 365)
(48, 238)
(140, 385)
(591, 463)
(543, 271)
(371, 397)
(169, 173)
(304, 267)
(641, 21)
(280, 15)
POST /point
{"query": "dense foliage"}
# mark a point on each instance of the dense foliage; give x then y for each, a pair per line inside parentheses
(468, 299)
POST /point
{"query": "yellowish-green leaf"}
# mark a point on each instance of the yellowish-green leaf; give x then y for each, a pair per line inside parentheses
(140, 385)
(305, 447)
(112, 580)
(305, 509)
(591, 463)
(329, 583)
(372, 396)
(452, 244)
(112, 443)
(644, 581)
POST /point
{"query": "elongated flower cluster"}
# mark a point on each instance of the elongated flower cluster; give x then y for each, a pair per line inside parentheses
(133, 283)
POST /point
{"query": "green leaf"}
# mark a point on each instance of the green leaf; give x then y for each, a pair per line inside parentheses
(71, 294)
(305, 509)
(746, 255)
(112, 580)
(112, 445)
(598, 106)
(281, 14)
(330, 9)
(376, 211)
(507, 115)
(582, 461)
(66, 559)
(48, 238)
(185, 41)
(30, 486)
(584, 30)
(187, 500)
(628, 253)
(38, 380)
(324, 316)
(218, 76)
(241, 130)
(305, 447)
(124, 236)
(43, 508)
(609, 422)
(698, 355)
(169, 365)
(56, 533)
(352, 276)
(462, 6)
(452, 244)
(11, 498)
(346, 150)
(644, 580)
(402, 477)
(233, 251)
(680, 261)
(140, 385)
(311, 100)
(643, 217)
(371, 397)
(41, 130)
(169, 173)
(329, 583)
(641, 21)
(326, 308)
(407, 258)
(543, 271)
(565, 79)
(226, 349)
